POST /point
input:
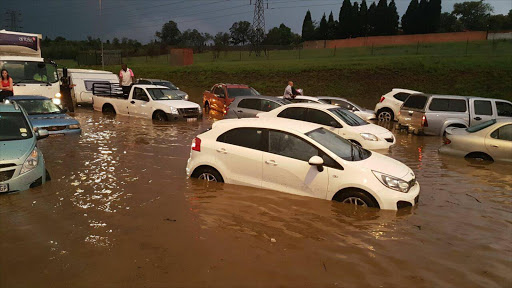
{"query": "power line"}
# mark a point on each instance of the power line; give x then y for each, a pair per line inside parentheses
(258, 25)
(13, 20)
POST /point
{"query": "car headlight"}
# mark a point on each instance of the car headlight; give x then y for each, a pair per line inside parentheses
(186, 97)
(56, 101)
(199, 108)
(31, 162)
(58, 95)
(369, 136)
(392, 182)
(174, 110)
(74, 126)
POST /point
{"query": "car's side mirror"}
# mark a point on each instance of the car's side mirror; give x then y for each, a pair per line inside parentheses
(42, 133)
(318, 162)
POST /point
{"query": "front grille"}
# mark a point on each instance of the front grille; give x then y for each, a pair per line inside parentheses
(55, 128)
(188, 111)
(390, 140)
(7, 165)
(6, 175)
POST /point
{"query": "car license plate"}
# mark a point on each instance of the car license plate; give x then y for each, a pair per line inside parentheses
(191, 119)
(4, 188)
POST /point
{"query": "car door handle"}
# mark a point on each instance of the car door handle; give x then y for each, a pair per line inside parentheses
(240, 111)
(495, 146)
(410, 112)
(271, 162)
(222, 150)
(477, 118)
(133, 102)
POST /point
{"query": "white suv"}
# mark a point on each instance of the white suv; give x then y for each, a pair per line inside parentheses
(300, 158)
(389, 105)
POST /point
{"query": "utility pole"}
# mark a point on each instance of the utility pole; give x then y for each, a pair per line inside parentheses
(13, 20)
(258, 25)
(101, 40)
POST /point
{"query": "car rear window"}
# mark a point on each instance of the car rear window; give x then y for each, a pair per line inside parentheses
(251, 138)
(483, 107)
(254, 104)
(449, 105)
(401, 96)
(415, 102)
(504, 109)
(295, 113)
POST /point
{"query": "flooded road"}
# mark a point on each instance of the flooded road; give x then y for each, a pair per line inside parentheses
(120, 212)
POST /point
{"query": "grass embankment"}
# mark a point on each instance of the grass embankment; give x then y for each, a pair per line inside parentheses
(477, 68)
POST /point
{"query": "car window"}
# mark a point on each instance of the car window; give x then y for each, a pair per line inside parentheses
(320, 117)
(163, 94)
(219, 91)
(348, 117)
(339, 145)
(449, 105)
(143, 82)
(269, 105)
(483, 107)
(503, 133)
(254, 104)
(14, 126)
(166, 84)
(504, 109)
(236, 92)
(139, 94)
(401, 96)
(296, 113)
(415, 102)
(88, 83)
(39, 106)
(291, 146)
(343, 104)
(251, 138)
(481, 126)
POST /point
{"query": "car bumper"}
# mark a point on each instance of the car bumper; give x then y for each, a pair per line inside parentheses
(66, 132)
(178, 117)
(26, 180)
(393, 200)
(378, 145)
(446, 149)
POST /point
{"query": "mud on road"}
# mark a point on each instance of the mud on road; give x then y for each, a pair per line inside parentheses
(120, 212)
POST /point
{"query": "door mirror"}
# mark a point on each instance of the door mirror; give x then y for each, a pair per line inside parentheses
(42, 133)
(318, 162)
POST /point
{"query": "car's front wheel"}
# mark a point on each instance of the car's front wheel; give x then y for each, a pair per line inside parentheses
(357, 198)
(208, 174)
(160, 116)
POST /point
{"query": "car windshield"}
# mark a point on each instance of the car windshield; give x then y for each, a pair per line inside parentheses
(481, 126)
(166, 84)
(39, 106)
(163, 94)
(30, 72)
(14, 126)
(339, 145)
(348, 117)
(236, 92)
(282, 101)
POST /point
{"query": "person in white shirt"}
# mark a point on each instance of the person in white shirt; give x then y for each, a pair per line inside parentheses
(126, 79)
(290, 92)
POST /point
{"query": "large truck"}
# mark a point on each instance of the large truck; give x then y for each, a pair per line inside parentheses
(20, 54)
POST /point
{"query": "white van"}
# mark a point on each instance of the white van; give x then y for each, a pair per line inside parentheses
(82, 80)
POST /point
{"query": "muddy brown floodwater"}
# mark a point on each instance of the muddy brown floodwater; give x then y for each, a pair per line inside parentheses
(120, 212)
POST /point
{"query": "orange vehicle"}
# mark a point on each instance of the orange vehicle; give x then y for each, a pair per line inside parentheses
(221, 95)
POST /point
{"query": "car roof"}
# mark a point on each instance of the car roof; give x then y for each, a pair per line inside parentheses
(332, 97)
(313, 105)
(228, 85)
(268, 123)
(405, 90)
(258, 97)
(28, 97)
(150, 86)
(8, 107)
(306, 97)
(89, 71)
(154, 80)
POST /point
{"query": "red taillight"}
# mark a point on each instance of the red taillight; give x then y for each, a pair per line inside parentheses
(447, 141)
(424, 122)
(226, 109)
(196, 145)
(382, 99)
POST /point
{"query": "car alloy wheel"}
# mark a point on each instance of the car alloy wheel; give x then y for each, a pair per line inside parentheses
(385, 116)
(208, 177)
(355, 201)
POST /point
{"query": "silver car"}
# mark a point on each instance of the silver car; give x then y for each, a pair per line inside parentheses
(364, 113)
(490, 140)
(165, 83)
(249, 106)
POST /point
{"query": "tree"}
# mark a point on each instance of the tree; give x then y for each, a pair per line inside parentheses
(281, 35)
(363, 19)
(496, 22)
(308, 28)
(434, 16)
(422, 17)
(409, 19)
(195, 39)
(221, 39)
(381, 13)
(170, 34)
(345, 20)
(473, 15)
(355, 27)
(323, 29)
(331, 27)
(392, 18)
(449, 23)
(372, 19)
(240, 32)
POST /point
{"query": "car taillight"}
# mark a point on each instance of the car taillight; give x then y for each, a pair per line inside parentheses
(424, 122)
(447, 141)
(382, 99)
(196, 145)
(226, 109)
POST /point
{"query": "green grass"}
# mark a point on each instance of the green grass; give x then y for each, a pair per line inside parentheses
(356, 73)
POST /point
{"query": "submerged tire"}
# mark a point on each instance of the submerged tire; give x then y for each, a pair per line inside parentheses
(208, 174)
(160, 116)
(385, 115)
(479, 156)
(108, 109)
(356, 197)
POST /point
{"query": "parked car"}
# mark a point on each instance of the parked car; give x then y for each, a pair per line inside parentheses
(364, 113)
(432, 114)
(305, 99)
(81, 81)
(44, 114)
(340, 121)
(300, 158)
(389, 105)
(250, 106)
(221, 95)
(490, 140)
(147, 101)
(21, 162)
(165, 83)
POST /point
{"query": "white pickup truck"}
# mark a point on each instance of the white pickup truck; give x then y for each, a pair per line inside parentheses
(147, 101)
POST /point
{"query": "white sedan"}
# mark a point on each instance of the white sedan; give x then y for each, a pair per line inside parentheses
(340, 121)
(300, 158)
(490, 140)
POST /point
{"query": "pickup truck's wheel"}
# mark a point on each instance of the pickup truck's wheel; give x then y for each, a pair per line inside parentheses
(108, 109)
(385, 115)
(208, 173)
(159, 116)
(356, 197)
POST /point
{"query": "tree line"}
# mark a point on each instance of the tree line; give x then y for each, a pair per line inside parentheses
(423, 16)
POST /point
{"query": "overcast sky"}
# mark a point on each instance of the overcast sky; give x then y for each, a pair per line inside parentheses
(139, 19)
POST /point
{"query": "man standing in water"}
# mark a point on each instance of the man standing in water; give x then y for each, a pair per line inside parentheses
(126, 79)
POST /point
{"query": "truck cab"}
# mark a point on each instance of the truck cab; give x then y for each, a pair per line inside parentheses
(220, 96)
